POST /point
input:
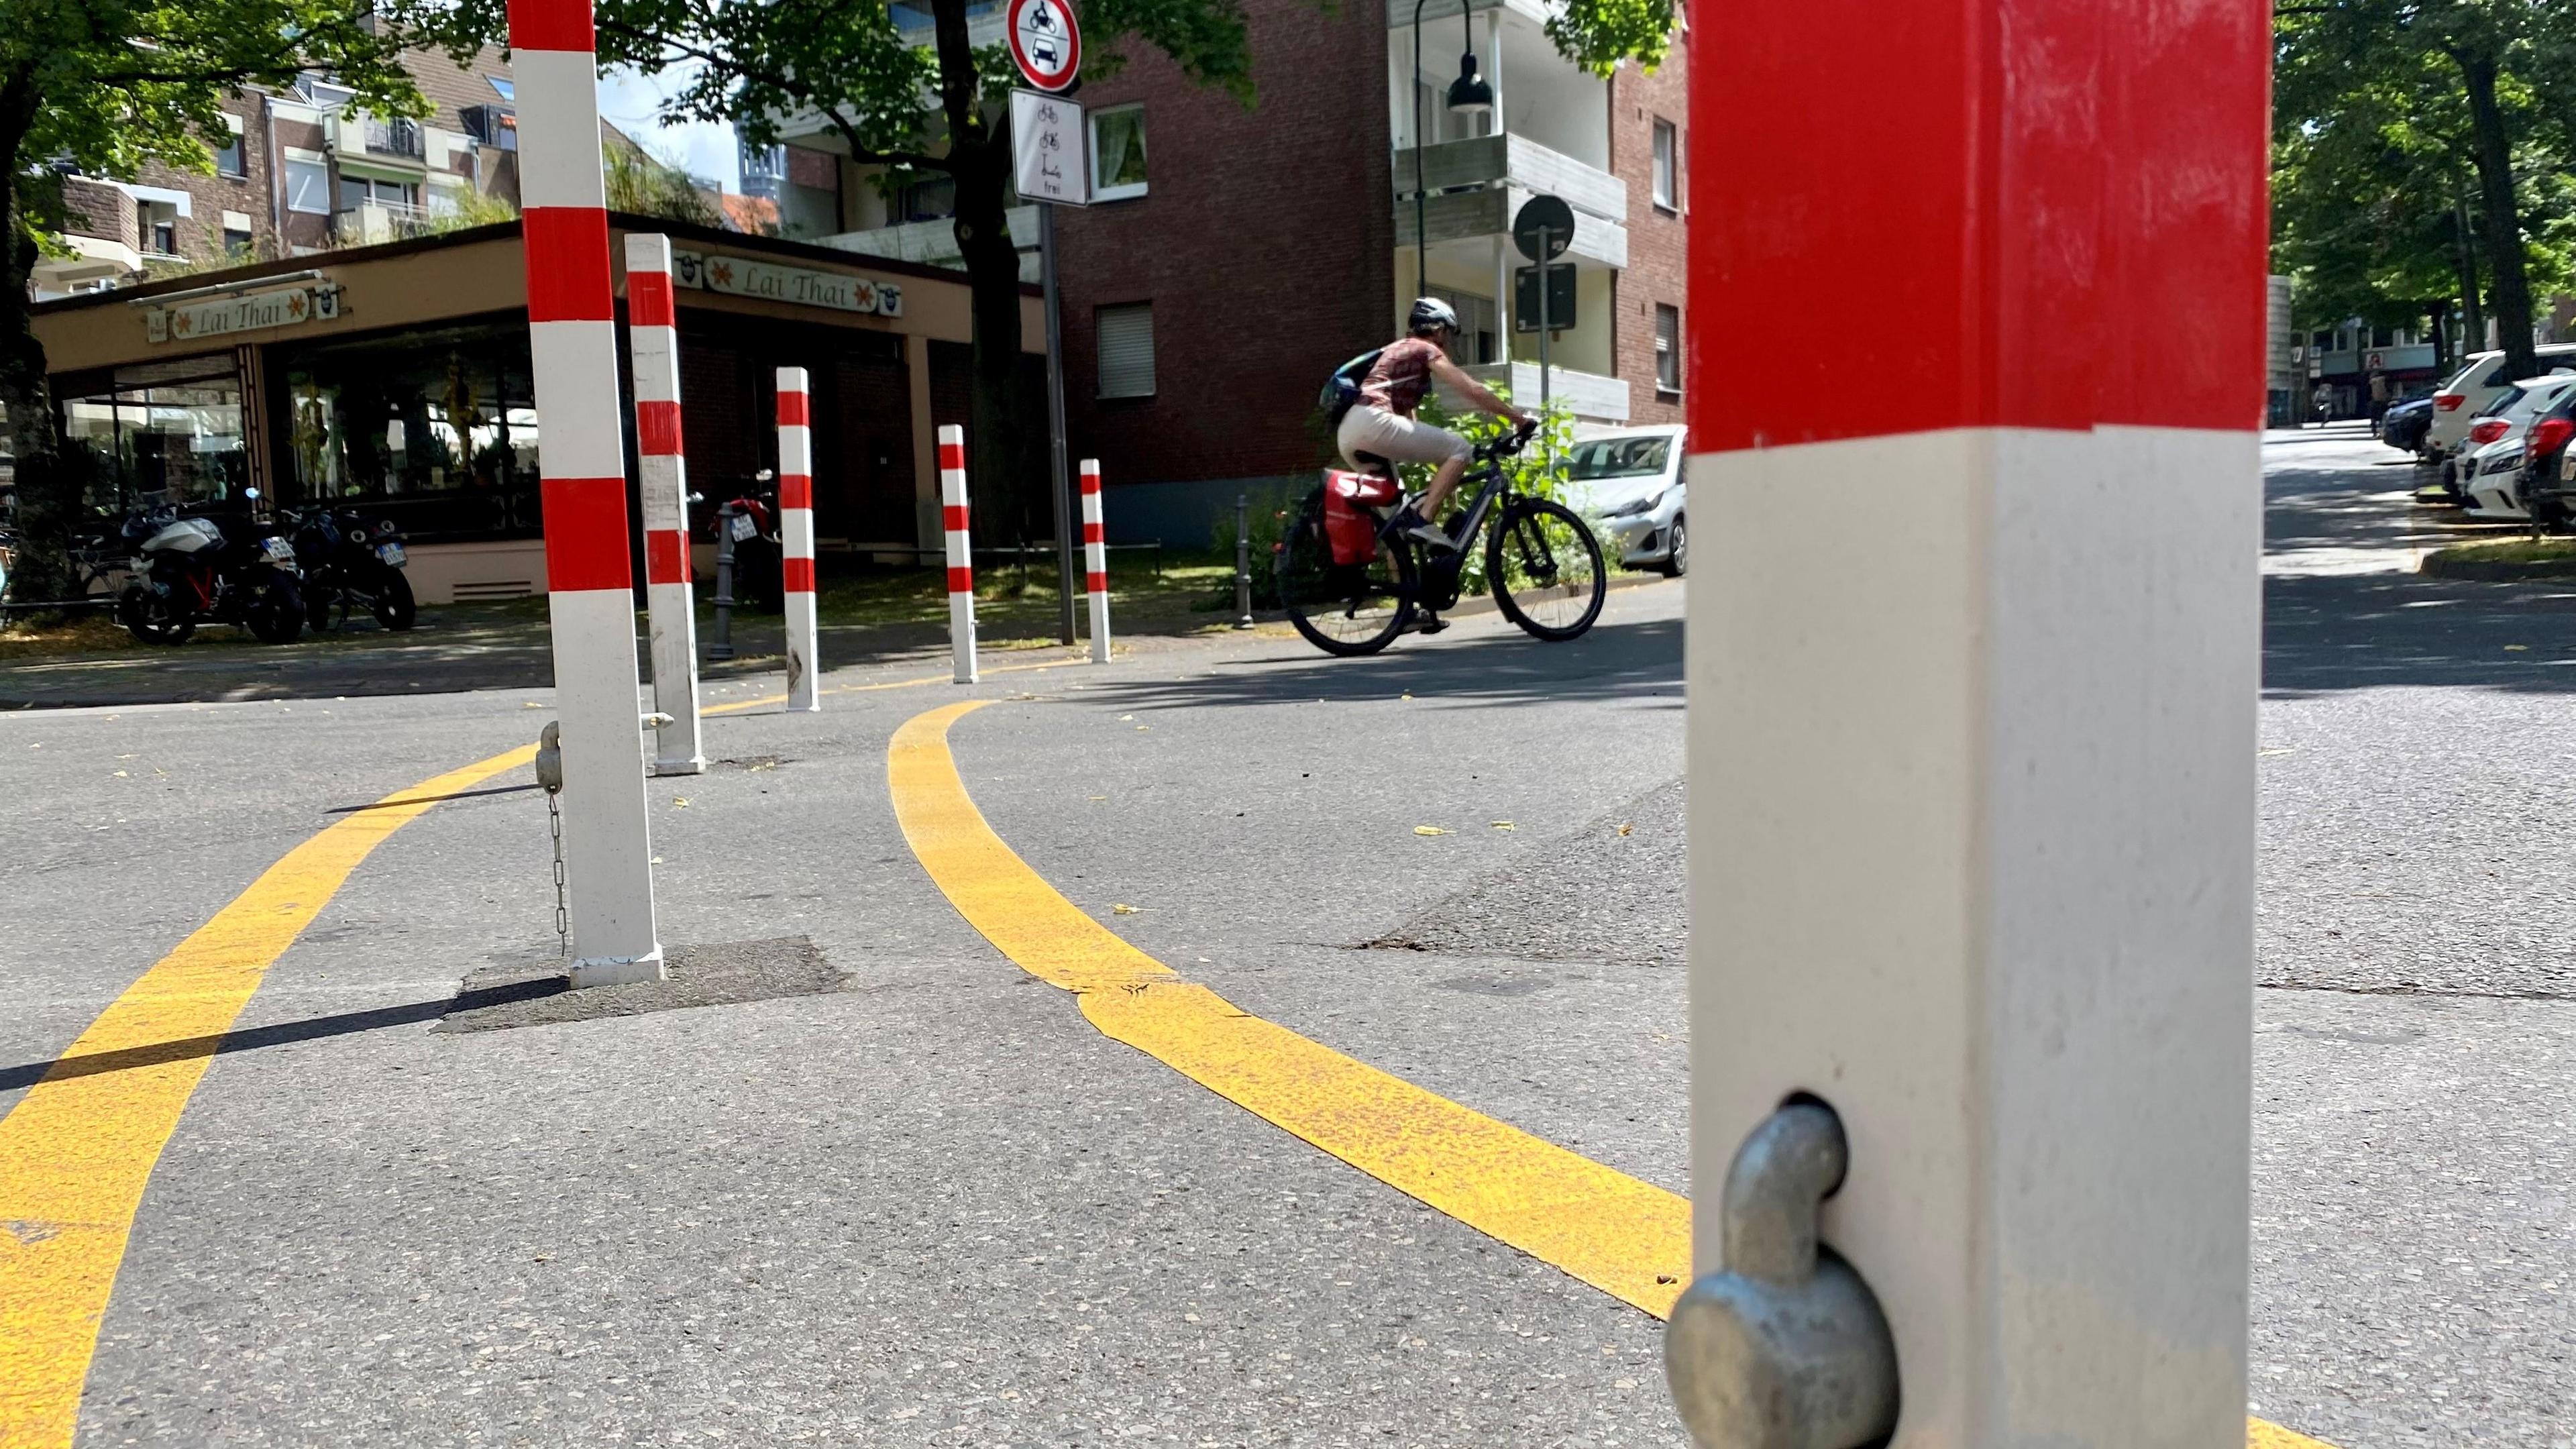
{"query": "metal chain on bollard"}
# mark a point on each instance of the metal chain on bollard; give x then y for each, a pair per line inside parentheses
(1243, 560)
(549, 767)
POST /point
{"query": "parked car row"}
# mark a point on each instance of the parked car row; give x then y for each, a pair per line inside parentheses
(2499, 444)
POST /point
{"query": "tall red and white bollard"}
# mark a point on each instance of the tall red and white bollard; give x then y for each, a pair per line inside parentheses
(572, 343)
(953, 518)
(796, 534)
(1095, 561)
(662, 475)
(1972, 823)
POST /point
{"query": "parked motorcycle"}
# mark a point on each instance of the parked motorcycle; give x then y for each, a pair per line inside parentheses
(188, 572)
(351, 567)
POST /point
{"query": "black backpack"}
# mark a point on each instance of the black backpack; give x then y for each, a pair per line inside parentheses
(1342, 390)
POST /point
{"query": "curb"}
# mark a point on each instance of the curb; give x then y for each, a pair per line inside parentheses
(2496, 571)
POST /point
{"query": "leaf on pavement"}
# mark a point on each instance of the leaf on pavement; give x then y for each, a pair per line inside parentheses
(1124, 910)
(1502, 825)
(1624, 829)
(679, 802)
(1432, 830)
(2516, 648)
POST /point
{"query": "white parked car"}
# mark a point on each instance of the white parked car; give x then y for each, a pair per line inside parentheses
(2462, 399)
(1629, 481)
(2490, 471)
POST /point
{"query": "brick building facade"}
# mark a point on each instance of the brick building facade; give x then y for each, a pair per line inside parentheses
(1658, 233)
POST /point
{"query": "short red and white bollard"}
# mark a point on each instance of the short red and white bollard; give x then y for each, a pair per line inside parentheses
(662, 475)
(1095, 561)
(572, 344)
(796, 534)
(1972, 826)
(961, 557)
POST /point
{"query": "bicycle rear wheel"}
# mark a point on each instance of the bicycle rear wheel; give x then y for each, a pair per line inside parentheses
(1341, 608)
(1544, 567)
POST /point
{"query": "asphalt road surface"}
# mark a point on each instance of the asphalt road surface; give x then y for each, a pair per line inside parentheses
(936, 1207)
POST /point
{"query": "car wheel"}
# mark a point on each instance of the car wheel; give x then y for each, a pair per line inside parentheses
(1677, 549)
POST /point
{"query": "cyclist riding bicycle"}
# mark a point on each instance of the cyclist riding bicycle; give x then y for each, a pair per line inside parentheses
(1381, 420)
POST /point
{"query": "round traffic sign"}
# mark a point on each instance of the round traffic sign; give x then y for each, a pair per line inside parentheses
(1544, 229)
(1045, 43)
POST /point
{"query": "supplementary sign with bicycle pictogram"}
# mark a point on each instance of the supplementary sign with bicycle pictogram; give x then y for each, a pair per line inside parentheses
(1045, 43)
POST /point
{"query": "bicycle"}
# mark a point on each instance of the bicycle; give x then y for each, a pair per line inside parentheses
(1542, 565)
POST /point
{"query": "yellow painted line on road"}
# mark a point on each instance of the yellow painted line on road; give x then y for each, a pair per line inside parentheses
(78, 1149)
(1628, 1238)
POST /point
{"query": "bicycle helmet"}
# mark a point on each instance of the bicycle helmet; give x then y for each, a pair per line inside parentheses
(1431, 312)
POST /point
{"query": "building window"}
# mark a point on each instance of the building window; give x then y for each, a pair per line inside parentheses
(1668, 349)
(1127, 350)
(1479, 332)
(308, 187)
(159, 223)
(237, 243)
(503, 87)
(228, 156)
(1668, 167)
(934, 199)
(1118, 153)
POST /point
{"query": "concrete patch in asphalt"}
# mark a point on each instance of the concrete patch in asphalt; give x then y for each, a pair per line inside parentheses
(719, 975)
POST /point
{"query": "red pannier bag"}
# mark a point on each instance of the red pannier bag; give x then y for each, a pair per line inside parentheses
(1349, 524)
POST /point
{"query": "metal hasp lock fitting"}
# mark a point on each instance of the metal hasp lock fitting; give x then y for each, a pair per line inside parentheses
(549, 761)
(1785, 1347)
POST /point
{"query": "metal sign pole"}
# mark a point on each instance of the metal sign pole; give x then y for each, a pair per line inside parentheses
(1057, 469)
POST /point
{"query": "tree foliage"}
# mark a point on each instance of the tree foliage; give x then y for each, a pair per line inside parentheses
(106, 87)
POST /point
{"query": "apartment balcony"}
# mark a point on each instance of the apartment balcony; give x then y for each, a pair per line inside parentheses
(1587, 395)
(1474, 188)
(396, 141)
(934, 243)
(373, 222)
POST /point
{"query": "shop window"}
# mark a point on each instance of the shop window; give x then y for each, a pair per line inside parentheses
(437, 430)
(1127, 350)
(1668, 349)
(1117, 153)
(167, 432)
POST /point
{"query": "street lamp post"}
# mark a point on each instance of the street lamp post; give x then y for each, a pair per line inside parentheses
(1468, 95)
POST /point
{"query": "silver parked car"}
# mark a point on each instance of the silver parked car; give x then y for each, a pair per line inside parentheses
(1630, 481)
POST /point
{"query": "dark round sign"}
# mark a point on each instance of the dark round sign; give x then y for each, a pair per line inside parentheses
(1544, 229)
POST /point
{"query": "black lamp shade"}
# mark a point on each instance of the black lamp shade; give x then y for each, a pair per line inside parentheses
(1469, 95)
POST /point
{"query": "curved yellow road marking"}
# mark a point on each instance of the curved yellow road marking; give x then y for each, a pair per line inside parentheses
(78, 1149)
(1628, 1238)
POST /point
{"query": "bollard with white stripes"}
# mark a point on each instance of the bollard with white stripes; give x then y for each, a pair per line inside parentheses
(1972, 822)
(961, 557)
(572, 344)
(662, 475)
(1095, 561)
(796, 534)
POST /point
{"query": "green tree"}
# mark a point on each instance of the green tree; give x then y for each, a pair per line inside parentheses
(107, 86)
(942, 109)
(2441, 87)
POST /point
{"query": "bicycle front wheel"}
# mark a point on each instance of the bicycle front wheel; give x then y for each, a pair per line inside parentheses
(1341, 608)
(1544, 567)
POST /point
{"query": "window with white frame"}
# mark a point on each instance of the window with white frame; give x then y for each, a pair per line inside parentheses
(1668, 349)
(1117, 153)
(228, 155)
(308, 187)
(1668, 166)
(1126, 350)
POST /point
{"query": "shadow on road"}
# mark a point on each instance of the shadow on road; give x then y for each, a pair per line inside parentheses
(1640, 661)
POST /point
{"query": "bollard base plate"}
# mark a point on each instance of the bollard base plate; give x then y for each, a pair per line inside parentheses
(616, 970)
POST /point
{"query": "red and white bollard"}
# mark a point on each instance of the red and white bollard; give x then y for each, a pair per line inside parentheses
(796, 534)
(572, 343)
(961, 558)
(662, 474)
(1972, 824)
(1095, 561)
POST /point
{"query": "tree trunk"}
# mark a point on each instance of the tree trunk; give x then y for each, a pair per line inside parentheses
(2473, 314)
(979, 161)
(49, 501)
(2440, 311)
(2502, 217)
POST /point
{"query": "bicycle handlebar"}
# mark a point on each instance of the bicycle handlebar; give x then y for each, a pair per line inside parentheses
(1511, 442)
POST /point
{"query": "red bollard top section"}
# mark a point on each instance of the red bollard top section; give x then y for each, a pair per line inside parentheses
(1906, 218)
(551, 25)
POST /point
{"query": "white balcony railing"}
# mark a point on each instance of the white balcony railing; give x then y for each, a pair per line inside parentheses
(1475, 187)
(1587, 395)
(934, 243)
(369, 223)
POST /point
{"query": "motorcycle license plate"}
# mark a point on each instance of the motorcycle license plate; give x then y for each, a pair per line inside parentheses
(278, 550)
(391, 553)
(744, 528)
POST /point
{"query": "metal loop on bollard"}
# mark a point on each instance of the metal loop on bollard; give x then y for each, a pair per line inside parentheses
(1785, 1347)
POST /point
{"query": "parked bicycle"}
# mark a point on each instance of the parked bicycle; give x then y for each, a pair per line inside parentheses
(1351, 583)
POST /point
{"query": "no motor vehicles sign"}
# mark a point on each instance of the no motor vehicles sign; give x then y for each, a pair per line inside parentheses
(1045, 43)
